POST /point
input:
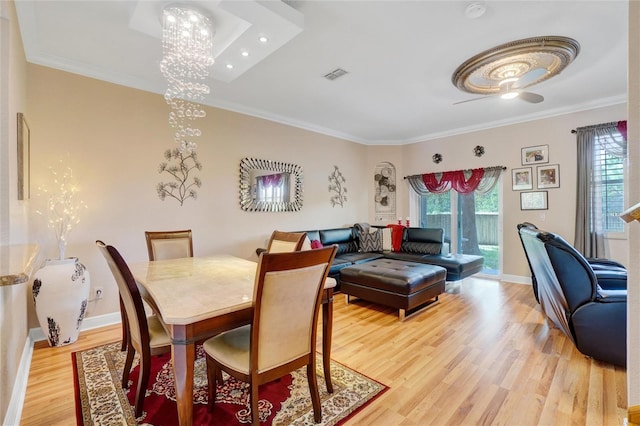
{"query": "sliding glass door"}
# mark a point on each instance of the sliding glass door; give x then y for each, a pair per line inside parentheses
(471, 223)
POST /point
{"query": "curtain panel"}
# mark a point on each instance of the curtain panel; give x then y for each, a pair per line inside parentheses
(481, 180)
(589, 231)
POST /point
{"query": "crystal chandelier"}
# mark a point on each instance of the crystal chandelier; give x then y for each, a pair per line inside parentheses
(187, 55)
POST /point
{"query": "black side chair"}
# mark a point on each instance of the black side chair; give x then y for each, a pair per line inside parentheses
(571, 297)
(611, 275)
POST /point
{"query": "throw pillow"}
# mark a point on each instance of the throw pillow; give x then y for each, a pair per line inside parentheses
(306, 245)
(315, 244)
(371, 241)
(396, 236)
(386, 239)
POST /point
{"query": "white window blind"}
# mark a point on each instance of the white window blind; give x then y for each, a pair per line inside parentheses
(608, 181)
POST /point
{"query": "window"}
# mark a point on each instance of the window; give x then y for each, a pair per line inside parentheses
(608, 182)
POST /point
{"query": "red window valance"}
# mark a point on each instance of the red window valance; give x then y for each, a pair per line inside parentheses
(481, 180)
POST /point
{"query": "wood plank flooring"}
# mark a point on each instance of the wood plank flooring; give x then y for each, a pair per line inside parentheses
(483, 355)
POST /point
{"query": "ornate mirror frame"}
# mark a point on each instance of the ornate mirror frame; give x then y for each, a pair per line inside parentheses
(248, 202)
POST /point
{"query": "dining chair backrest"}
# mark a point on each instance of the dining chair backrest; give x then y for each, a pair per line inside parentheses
(285, 242)
(145, 336)
(169, 244)
(129, 294)
(288, 294)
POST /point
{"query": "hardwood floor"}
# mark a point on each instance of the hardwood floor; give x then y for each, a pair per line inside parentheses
(483, 355)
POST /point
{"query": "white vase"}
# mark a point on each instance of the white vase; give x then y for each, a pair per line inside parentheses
(60, 294)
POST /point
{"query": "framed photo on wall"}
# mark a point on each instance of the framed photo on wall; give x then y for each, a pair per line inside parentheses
(522, 179)
(24, 167)
(535, 155)
(535, 200)
(549, 176)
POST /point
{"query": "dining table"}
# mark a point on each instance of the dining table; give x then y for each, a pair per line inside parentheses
(199, 297)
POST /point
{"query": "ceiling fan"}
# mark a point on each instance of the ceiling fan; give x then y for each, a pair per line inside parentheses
(510, 88)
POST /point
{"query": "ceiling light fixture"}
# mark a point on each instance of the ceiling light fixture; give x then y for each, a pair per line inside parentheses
(510, 95)
(518, 64)
(263, 39)
(187, 55)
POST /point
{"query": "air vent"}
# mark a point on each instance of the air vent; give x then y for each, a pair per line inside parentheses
(338, 72)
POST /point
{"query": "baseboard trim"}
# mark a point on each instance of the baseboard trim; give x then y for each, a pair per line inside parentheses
(14, 411)
(87, 324)
(517, 279)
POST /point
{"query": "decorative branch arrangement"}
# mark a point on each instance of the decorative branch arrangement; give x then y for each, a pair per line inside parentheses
(63, 205)
(179, 188)
(335, 184)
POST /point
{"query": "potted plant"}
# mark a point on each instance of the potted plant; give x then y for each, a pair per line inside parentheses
(61, 287)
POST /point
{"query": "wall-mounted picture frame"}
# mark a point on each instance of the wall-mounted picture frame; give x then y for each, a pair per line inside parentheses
(548, 176)
(24, 158)
(534, 200)
(535, 155)
(521, 179)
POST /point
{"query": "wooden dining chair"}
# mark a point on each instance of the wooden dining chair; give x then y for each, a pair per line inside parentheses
(146, 334)
(284, 242)
(169, 244)
(161, 245)
(282, 335)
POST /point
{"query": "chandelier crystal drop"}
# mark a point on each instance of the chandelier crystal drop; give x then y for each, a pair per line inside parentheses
(187, 55)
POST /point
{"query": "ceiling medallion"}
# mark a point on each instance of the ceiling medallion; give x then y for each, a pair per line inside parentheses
(536, 59)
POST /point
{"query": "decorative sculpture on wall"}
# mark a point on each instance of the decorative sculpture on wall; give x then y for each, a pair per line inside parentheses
(179, 188)
(335, 185)
(478, 151)
(437, 158)
(385, 191)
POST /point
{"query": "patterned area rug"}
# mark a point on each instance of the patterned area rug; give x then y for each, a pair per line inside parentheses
(100, 400)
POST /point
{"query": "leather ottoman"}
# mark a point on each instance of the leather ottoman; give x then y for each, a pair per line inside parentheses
(407, 286)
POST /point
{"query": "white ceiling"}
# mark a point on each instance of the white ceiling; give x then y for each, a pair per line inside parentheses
(399, 54)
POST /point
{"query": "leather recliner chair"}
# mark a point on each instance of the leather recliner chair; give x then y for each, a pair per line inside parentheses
(571, 297)
(611, 275)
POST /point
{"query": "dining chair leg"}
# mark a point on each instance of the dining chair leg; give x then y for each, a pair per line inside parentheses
(313, 389)
(213, 374)
(127, 366)
(253, 399)
(143, 381)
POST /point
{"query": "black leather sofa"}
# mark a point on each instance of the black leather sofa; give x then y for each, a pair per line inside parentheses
(421, 245)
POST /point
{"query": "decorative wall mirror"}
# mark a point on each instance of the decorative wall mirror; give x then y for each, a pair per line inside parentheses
(270, 186)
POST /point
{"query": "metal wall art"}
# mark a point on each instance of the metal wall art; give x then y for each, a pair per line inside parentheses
(179, 165)
(385, 191)
(337, 188)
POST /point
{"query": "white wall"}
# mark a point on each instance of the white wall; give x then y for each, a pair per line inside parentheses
(115, 138)
(503, 148)
(13, 213)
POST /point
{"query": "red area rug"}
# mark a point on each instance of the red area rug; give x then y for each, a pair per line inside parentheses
(100, 399)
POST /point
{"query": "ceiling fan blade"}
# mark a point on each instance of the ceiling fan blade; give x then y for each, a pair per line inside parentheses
(533, 98)
(474, 99)
(529, 78)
